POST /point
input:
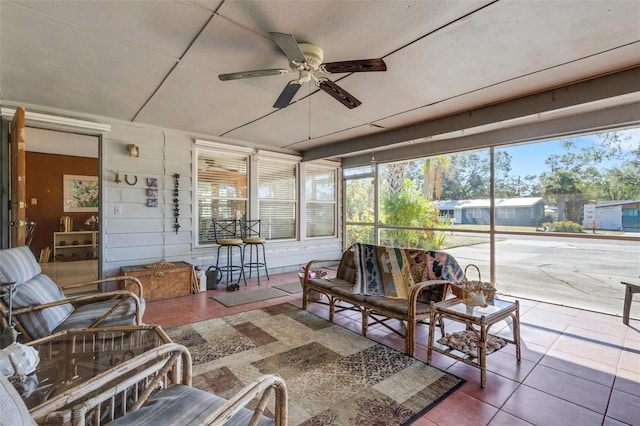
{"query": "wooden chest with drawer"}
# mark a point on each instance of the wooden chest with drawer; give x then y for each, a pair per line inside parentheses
(162, 282)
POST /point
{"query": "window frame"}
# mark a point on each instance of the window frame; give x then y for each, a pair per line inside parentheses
(287, 159)
(221, 150)
(336, 174)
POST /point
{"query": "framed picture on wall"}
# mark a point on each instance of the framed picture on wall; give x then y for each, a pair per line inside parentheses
(80, 193)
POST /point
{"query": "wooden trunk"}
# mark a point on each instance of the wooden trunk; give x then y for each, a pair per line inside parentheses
(162, 283)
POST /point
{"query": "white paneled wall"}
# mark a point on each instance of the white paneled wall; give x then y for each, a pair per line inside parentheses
(134, 234)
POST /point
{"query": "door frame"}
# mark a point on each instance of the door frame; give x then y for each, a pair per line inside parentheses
(47, 122)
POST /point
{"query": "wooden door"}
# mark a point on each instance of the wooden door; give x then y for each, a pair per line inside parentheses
(17, 196)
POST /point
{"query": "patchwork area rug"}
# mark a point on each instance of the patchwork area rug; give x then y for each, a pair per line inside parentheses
(292, 288)
(236, 298)
(334, 376)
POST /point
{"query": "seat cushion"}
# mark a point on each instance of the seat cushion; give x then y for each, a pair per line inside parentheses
(183, 405)
(254, 240)
(398, 305)
(18, 265)
(13, 411)
(84, 316)
(229, 241)
(37, 291)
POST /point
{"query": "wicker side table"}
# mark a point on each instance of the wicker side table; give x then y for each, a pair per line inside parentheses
(478, 320)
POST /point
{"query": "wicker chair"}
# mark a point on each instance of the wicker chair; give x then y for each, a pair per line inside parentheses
(155, 388)
(40, 308)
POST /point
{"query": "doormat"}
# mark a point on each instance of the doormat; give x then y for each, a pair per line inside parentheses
(333, 375)
(291, 288)
(241, 297)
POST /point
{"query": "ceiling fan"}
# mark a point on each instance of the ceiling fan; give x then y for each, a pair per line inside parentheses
(306, 59)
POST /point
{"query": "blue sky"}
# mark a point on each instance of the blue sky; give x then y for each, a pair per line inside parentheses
(529, 159)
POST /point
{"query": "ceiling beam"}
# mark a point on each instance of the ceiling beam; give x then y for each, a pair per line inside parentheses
(589, 122)
(597, 89)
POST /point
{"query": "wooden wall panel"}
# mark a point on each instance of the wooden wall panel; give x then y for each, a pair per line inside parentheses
(44, 184)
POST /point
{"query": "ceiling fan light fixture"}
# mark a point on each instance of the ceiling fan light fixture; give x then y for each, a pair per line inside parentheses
(307, 58)
(313, 55)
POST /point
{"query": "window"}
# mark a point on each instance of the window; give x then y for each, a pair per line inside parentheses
(320, 192)
(556, 202)
(360, 201)
(506, 213)
(475, 213)
(277, 195)
(221, 190)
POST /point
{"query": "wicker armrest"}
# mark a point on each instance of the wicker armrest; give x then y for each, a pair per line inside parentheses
(80, 300)
(315, 262)
(156, 365)
(421, 287)
(130, 283)
(263, 386)
(121, 295)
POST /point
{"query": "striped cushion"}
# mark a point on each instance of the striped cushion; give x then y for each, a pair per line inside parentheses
(18, 264)
(183, 405)
(37, 291)
(84, 316)
(13, 411)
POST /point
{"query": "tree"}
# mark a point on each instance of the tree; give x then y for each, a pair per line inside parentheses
(435, 171)
(468, 177)
(562, 186)
(408, 207)
(359, 209)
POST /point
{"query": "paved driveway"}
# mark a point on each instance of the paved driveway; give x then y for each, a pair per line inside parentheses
(575, 272)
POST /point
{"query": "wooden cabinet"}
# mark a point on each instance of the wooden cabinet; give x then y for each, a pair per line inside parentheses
(76, 245)
(173, 280)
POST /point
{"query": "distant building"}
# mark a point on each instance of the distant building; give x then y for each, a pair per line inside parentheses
(614, 215)
(525, 211)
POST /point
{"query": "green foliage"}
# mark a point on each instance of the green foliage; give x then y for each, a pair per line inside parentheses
(359, 209)
(468, 177)
(567, 226)
(409, 208)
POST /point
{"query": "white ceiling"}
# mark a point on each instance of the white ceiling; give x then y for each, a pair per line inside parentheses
(157, 62)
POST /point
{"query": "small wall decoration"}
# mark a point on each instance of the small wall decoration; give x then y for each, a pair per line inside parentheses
(80, 193)
(176, 201)
(135, 180)
(152, 192)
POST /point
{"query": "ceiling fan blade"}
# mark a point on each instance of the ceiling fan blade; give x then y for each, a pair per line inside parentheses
(289, 46)
(249, 74)
(362, 65)
(287, 94)
(338, 93)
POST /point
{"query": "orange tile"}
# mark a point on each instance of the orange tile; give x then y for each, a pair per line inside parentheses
(461, 409)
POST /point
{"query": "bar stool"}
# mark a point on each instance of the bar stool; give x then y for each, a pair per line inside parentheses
(250, 231)
(226, 235)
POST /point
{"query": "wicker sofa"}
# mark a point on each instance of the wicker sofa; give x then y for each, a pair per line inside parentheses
(410, 280)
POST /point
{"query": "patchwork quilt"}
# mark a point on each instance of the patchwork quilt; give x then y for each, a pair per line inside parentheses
(393, 271)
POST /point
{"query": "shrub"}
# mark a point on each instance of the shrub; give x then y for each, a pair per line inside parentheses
(567, 226)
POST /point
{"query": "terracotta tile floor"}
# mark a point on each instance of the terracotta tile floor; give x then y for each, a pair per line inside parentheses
(577, 368)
